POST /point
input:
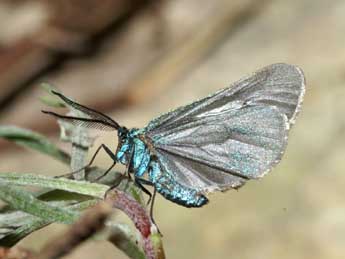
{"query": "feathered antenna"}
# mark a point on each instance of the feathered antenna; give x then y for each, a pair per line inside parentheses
(97, 119)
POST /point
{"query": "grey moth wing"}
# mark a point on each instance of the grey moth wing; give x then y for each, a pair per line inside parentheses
(238, 133)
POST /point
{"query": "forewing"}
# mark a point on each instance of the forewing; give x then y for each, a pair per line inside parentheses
(279, 85)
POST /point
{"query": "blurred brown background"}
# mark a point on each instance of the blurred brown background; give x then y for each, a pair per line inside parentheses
(136, 59)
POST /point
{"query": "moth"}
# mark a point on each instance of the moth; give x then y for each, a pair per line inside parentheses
(213, 144)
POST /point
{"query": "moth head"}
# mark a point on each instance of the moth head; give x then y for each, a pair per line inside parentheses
(122, 133)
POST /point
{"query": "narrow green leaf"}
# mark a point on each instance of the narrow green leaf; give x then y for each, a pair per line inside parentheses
(81, 187)
(25, 201)
(50, 99)
(48, 87)
(33, 140)
(13, 237)
(31, 223)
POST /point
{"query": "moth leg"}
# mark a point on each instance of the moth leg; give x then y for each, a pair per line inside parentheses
(140, 182)
(112, 187)
(128, 173)
(112, 156)
(122, 176)
(151, 209)
(108, 151)
(105, 173)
